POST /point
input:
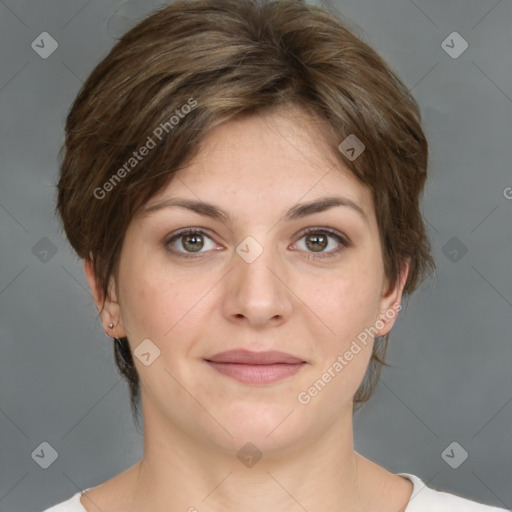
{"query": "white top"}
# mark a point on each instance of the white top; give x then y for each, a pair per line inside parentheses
(423, 499)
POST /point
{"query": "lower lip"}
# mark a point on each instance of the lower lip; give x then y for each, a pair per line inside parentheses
(257, 373)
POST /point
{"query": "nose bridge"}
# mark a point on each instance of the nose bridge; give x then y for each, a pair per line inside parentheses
(257, 292)
(254, 259)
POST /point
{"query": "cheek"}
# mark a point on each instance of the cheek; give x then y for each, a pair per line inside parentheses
(344, 313)
(142, 294)
(159, 305)
(344, 304)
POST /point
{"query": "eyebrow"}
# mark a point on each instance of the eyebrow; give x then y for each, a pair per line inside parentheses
(298, 211)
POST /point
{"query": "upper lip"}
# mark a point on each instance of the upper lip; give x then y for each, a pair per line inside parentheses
(242, 356)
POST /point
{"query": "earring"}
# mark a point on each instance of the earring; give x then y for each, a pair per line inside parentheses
(111, 326)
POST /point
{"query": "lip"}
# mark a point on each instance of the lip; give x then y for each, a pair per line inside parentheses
(256, 367)
(242, 356)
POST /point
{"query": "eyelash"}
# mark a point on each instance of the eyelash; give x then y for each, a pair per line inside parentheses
(343, 242)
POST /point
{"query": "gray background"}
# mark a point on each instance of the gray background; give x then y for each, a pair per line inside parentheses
(450, 349)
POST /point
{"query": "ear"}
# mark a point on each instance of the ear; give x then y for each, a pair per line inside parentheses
(108, 309)
(390, 301)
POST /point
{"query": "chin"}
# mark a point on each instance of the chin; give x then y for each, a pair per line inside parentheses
(269, 427)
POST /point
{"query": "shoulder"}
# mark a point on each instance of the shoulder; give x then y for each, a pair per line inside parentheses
(70, 505)
(426, 499)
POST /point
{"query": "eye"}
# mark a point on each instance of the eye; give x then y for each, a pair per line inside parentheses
(189, 241)
(317, 239)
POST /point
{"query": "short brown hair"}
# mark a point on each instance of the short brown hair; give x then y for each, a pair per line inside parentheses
(233, 58)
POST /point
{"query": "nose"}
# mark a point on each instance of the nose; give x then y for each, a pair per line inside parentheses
(257, 292)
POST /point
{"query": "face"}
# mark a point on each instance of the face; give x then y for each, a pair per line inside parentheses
(264, 275)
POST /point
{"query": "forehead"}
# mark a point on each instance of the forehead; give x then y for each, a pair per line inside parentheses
(274, 160)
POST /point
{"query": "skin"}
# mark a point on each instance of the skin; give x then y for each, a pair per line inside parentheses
(196, 420)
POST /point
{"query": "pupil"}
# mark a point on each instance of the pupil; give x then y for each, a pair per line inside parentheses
(192, 247)
(316, 244)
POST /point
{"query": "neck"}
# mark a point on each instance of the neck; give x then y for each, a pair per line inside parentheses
(178, 472)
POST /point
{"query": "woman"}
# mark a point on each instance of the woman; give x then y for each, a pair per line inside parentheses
(242, 180)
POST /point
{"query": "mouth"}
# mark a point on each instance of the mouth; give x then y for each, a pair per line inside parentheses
(256, 367)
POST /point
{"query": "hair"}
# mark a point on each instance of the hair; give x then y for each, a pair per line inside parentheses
(197, 63)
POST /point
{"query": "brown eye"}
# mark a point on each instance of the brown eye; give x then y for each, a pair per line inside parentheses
(189, 241)
(316, 243)
(192, 242)
(318, 240)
